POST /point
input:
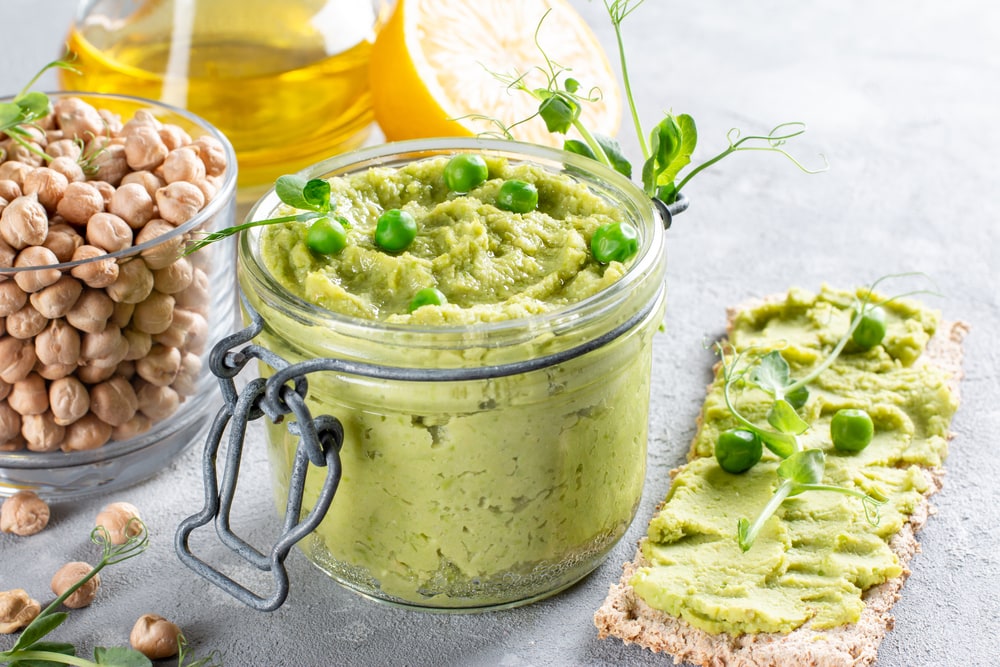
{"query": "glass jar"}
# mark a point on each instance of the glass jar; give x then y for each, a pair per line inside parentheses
(482, 466)
(271, 75)
(60, 452)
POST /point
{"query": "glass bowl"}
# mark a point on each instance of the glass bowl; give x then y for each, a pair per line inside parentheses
(483, 466)
(122, 359)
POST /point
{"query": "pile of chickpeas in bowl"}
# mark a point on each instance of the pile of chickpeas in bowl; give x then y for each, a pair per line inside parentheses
(104, 322)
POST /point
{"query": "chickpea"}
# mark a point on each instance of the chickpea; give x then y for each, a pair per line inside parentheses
(36, 256)
(24, 222)
(144, 149)
(28, 155)
(94, 373)
(112, 122)
(24, 513)
(55, 371)
(121, 520)
(87, 432)
(12, 298)
(62, 240)
(77, 119)
(106, 190)
(10, 190)
(174, 136)
(142, 118)
(133, 204)
(195, 297)
(188, 331)
(91, 311)
(59, 343)
(41, 432)
(58, 298)
(159, 367)
(167, 243)
(186, 382)
(67, 576)
(122, 314)
(10, 422)
(139, 344)
(183, 165)
(68, 400)
(17, 610)
(155, 637)
(15, 171)
(48, 185)
(179, 201)
(114, 401)
(147, 179)
(26, 323)
(81, 200)
(104, 348)
(4, 390)
(126, 368)
(134, 283)
(108, 232)
(17, 358)
(97, 273)
(138, 425)
(212, 153)
(65, 148)
(154, 314)
(156, 402)
(174, 277)
(15, 444)
(28, 396)
(208, 188)
(108, 160)
(69, 168)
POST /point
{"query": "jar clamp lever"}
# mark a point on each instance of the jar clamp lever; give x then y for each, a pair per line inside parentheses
(320, 440)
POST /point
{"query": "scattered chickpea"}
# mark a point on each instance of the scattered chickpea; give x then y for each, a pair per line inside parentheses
(91, 311)
(24, 513)
(28, 396)
(36, 256)
(80, 201)
(68, 400)
(24, 222)
(62, 240)
(48, 185)
(114, 401)
(179, 201)
(58, 298)
(133, 204)
(134, 283)
(17, 610)
(117, 519)
(155, 637)
(108, 232)
(97, 273)
(41, 432)
(59, 343)
(87, 432)
(67, 576)
(26, 323)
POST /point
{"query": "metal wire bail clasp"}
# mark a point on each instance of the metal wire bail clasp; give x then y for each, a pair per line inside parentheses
(320, 440)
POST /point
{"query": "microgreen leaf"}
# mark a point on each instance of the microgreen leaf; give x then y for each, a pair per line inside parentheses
(559, 111)
(772, 373)
(10, 115)
(34, 104)
(307, 195)
(316, 193)
(784, 419)
(38, 628)
(119, 656)
(58, 648)
(805, 467)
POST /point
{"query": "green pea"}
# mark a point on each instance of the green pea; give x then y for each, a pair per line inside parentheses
(327, 236)
(614, 242)
(428, 296)
(871, 329)
(737, 450)
(517, 196)
(464, 172)
(395, 230)
(851, 430)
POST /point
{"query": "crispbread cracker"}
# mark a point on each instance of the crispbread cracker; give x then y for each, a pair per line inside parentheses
(626, 616)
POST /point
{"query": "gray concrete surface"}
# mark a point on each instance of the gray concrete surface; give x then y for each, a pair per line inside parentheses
(903, 99)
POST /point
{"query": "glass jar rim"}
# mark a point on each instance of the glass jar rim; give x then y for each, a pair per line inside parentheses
(221, 199)
(643, 212)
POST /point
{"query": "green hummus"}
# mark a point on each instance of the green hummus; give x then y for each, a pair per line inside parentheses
(476, 493)
(491, 264)
(818, 554)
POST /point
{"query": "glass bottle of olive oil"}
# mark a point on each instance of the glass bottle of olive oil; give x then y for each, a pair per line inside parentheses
(285, 80)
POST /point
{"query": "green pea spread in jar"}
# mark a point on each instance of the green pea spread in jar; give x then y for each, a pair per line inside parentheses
(817, 555)
(478, 493)
(490, 264)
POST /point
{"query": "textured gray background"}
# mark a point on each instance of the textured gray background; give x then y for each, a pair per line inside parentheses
(902, 97)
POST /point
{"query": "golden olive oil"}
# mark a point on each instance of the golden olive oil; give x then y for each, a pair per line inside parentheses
(262, 73)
